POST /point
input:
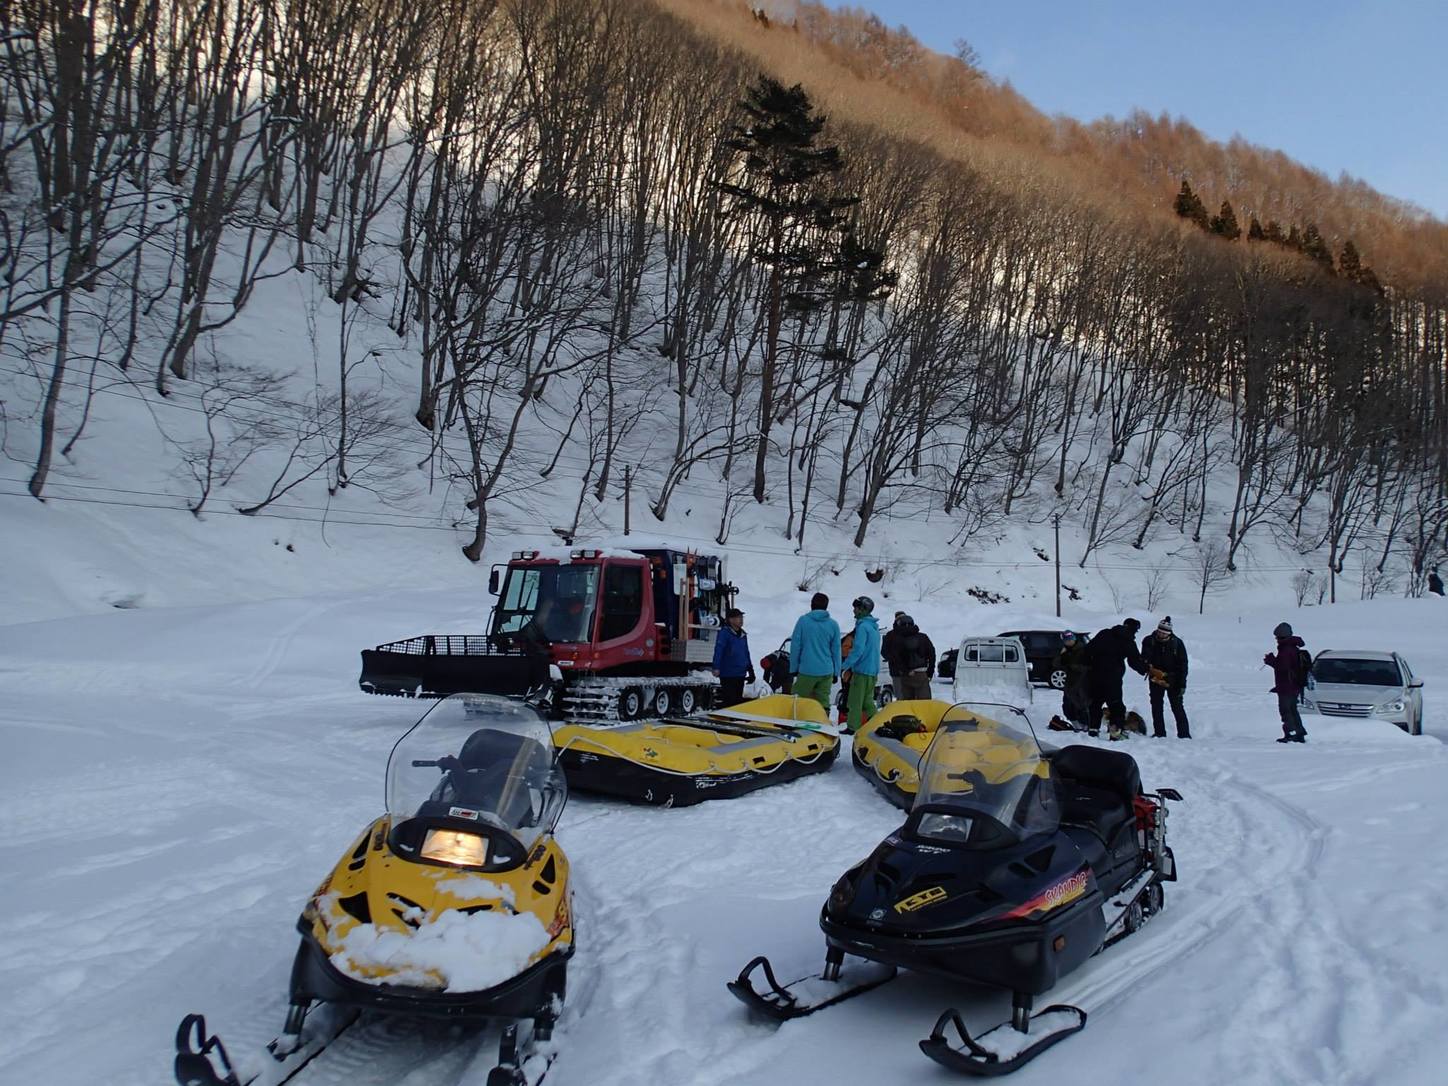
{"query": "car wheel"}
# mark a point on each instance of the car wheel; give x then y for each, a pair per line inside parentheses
(630, 704)
(1416, 727)
(687, 701)
(1058, 678)
(663, 701)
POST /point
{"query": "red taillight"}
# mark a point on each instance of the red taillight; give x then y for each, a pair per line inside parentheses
(1145, 812)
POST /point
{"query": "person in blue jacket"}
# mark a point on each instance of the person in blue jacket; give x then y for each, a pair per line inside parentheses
(814, 652)
(861, 668)
(732, 665)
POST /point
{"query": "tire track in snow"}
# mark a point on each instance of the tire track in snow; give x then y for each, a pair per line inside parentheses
(279, 646)
(1318, 995)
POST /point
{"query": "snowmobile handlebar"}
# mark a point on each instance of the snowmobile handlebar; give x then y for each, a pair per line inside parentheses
(447, 761)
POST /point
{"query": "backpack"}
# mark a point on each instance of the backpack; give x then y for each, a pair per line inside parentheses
(1304, 665)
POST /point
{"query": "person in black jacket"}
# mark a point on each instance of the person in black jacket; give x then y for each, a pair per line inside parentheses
(1075, 696)
(911, 657)
(1166, 656)
(1108, 655)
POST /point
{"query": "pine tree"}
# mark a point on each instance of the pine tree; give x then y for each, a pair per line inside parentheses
(1185, 200)
(1273, 232)
(1255, 231)
(1294, 239)
(1349, 263)
(1350, 266)
(795, 221)
(1189, 206)
(1315, 248)
(1224, 223)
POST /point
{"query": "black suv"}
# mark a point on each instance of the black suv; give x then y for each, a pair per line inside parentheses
(1041, 649)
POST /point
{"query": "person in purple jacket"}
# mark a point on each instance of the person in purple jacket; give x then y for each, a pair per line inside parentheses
(1291, 679)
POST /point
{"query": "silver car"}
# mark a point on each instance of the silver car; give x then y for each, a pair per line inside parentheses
(1368, 685)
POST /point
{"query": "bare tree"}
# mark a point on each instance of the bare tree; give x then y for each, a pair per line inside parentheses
(1213, 572)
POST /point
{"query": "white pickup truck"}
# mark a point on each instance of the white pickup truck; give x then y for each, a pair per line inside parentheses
(992, 669)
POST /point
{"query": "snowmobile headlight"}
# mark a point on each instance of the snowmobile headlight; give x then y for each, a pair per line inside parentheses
(1394, 706)
(841, 895)
(454, 847)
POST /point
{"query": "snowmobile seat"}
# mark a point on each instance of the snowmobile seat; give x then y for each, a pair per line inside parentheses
(486, 765)
(1110, 770)
(1096, 789)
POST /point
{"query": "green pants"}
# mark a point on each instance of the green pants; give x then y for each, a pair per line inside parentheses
(815, 686)
(860, 704)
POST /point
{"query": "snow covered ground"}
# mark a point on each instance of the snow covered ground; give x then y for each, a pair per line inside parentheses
(177, 779)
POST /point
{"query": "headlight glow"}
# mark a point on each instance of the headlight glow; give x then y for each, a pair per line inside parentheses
(453, 847)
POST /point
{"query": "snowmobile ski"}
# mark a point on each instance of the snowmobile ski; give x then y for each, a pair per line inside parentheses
(520, 1064)
(808, 994)
(1006, 1047)
(198, 1054)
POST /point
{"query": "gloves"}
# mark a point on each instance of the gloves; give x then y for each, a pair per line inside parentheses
(750, 676)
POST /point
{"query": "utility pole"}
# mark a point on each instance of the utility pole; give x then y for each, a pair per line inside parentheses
(1056, 520)
(627, 487)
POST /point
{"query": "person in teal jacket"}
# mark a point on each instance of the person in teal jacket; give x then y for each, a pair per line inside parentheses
(814, 652)
(861, 668)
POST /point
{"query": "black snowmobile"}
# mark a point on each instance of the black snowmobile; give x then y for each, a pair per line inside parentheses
(1014, 866)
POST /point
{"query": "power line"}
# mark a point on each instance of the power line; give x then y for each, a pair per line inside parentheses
(358, 520)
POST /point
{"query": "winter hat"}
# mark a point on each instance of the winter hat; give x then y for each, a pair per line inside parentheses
(1067, 635)
(1132, 625)
(1282, 630)
(1165, 624)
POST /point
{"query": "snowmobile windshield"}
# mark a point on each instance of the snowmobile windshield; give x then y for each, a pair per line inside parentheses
(984, 781)
(478, 758)
(548, 603)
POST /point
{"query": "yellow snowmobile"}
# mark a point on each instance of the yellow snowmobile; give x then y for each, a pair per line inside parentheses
(675, 762)
(455, 903)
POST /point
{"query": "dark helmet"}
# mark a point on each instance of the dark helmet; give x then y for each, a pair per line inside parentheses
(1282, 629)
(863, 603)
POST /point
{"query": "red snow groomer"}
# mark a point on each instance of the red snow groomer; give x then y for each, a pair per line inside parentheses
(631, 631)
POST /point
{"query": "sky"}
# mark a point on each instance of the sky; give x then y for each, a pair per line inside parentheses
(1341, 86)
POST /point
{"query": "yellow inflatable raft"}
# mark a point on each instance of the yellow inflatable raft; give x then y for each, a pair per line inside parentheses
(716, 755)
(888, 749)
